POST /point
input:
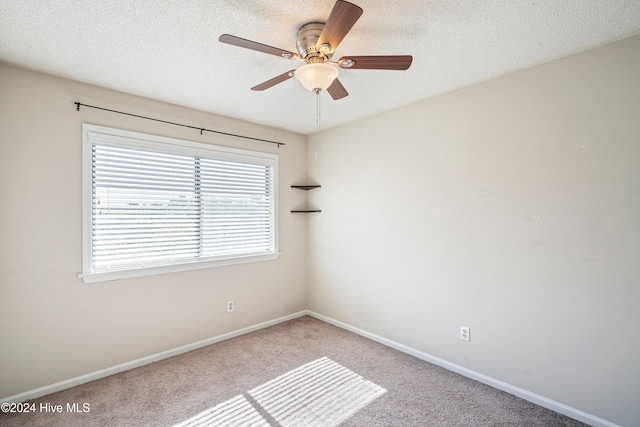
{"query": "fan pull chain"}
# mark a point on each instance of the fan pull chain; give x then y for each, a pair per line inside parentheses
(317, 91)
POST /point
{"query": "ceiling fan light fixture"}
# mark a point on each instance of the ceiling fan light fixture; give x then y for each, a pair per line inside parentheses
(316, 43)
(316, 75)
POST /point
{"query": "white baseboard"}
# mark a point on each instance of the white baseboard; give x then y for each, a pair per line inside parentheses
(63, 385)
(500, 385)
(561, 408)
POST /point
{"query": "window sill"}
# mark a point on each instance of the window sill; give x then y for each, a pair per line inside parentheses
(154, 270)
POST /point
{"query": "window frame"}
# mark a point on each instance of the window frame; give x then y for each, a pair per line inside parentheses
(124, 138)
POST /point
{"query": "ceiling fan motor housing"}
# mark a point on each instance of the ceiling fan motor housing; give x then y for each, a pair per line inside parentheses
(307, 40)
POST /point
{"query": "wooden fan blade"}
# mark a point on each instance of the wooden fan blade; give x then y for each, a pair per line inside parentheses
(274, 81)
(342, 17)
(390, 62)
(336, 90)
(248, 44)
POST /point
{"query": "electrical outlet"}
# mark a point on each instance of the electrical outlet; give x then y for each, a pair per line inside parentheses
(230, 306)
(465, 333)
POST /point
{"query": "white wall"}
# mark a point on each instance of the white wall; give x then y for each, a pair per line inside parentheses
(511, 207)
(54, 327)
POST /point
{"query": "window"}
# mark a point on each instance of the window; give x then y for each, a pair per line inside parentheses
(154, 204)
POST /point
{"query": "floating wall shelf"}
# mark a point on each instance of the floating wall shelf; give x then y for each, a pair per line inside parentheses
(305, 187)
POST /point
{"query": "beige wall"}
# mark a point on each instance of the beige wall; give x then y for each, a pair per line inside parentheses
(54, 327)
(511, 207)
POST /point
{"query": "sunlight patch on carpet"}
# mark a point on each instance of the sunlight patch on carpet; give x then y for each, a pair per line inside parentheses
(320, 393)
(236, 411)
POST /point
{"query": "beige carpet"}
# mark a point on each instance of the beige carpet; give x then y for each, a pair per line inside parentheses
(303, 372)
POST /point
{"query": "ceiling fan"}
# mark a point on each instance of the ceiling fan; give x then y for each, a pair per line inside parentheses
(316, 42)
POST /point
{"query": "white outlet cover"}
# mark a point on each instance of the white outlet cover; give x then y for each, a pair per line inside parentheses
(465, 333)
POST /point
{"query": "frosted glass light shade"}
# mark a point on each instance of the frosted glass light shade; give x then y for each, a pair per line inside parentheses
(316, 76)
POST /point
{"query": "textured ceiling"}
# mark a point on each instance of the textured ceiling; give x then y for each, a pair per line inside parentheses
(169, 50)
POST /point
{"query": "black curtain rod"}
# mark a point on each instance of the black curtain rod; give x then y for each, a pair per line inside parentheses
(78, 104)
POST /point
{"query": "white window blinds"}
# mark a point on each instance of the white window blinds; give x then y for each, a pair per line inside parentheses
(158, 202)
